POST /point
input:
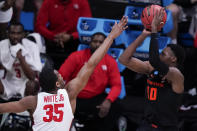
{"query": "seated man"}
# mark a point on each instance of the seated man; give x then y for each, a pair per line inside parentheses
(57, 23)
(21, 60)
(93, 99)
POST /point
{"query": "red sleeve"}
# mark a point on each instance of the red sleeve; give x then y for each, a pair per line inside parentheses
(114, 80)
(195, 41)
(84, 12)
(68, 67)
(42, 20)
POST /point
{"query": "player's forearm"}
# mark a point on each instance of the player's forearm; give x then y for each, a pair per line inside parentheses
(128, 53)
(88, 68)
(154, 56)
(101, 51)
(8, 108)
(2, 110)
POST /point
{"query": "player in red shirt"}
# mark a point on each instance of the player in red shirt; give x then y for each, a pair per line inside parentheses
(57, 22)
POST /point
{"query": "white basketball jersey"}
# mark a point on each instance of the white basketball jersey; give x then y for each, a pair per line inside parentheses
(53, 112)
(15, 81)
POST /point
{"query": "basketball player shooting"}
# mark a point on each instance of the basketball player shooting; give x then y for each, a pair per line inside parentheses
(53, 108)
(165, 82)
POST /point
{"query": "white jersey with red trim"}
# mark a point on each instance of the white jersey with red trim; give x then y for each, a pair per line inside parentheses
(53, 112)
(14, 81)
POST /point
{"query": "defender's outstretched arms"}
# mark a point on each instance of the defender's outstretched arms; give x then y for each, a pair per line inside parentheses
(78, 83)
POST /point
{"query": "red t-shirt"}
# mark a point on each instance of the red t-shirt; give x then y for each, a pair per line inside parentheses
(105, 74)
(195, 41)
(61, 17)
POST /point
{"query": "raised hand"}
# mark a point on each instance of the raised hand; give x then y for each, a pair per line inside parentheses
(104, 108)
(157, 20)
(117, 29)
(62, 38)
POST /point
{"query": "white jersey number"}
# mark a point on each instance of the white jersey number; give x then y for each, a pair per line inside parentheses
(53, 113)
(18, 72)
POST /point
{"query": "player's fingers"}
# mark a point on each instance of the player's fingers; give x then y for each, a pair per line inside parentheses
(161, 12)
(124, 28)
(115, 23)
(124, 20)
(103, 113)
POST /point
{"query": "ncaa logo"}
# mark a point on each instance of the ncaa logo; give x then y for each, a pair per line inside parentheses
(104, 67)
(76, 6)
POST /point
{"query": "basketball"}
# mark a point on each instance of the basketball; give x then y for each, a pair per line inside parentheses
(148, 14)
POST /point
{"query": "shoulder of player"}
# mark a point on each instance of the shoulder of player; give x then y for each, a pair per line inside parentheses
(71, 88)
(72, 83)
(175, 71)
(176, 78)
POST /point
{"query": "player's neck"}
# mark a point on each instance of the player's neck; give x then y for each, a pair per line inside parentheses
(53, 92)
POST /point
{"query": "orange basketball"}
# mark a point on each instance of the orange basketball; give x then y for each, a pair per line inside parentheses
(148, 14)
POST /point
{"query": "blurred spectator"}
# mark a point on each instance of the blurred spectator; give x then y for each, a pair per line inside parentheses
(195, 40)
(180, 10)
(92, 100)
(33, 5)
(6, 12)
(57, 22)
(21, 60)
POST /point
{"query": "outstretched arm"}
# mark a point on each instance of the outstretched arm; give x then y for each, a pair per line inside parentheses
(25, 103)
(77, 84)
(132, 63)
(154, 50)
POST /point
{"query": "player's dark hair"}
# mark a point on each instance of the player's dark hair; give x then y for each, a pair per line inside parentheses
(98, 33)
(15, 24)
(178, 52)
(48, 79)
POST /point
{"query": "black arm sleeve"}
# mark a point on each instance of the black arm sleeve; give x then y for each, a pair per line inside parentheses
(154, 56)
